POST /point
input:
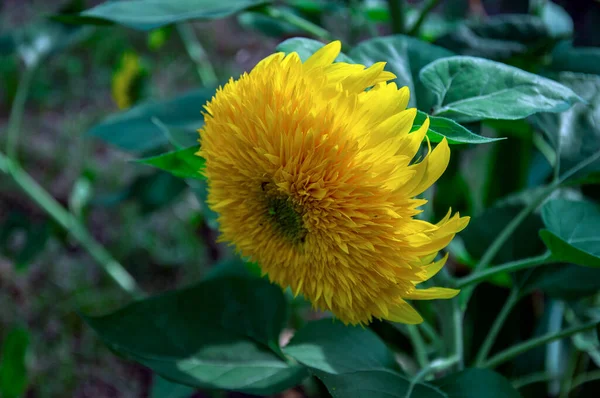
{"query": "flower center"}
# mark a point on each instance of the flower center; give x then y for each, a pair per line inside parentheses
(285, 216)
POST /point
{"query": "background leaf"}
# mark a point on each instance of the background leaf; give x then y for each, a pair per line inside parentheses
(573, 233)
(440, 127)
(183, 163)
(162, 388)
(471, 89)
(220, 334)
(405, 56)
(13, 369)
(151, 14)
(138, 129)
(307, 47)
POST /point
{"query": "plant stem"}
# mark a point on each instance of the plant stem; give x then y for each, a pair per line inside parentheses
(488, 343)
(197, 53)
(435, 366)
(429, 5)
(512, 266)
(585, 378)
(16, 112)
(299, 22)
(418, 345)
(396, 8)
(518, 349)
(115, 270)
(538, 377)
(457, 323)
(431, 334)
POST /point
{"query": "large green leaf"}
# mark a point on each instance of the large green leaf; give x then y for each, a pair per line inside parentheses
(440, 127)
(354, 363)
(563, 281)
(183, 163)
(220, 334)
(405, 56)
(565, 57)
(13, 369)
(162, 388)
(307, 47)
(151, 14)
(142, 127)
(573, 233)
(575, 134)
(472, 89)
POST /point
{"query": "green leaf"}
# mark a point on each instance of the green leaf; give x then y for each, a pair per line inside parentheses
(440, 127)
(503, 37)
(354, 363)
(162, 388)
(220, 334)
(565, 57)
(183, 163)
(476, 383)
(151, 14)
(472, 89)
(141, 128)
(564, 281)
(266, 24)
(557, 20)
(572, 233)
(307, 47)
(575, 134)
(405, 56)
(13, 369)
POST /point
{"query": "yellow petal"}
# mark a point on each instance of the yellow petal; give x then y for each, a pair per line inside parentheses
(432, 293)
(430, 169)
(324, 56)
(404, 313)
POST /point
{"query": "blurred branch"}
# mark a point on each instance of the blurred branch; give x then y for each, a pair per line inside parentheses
(490, 339)
(299, 22)
(533, 378)
(429, 5)
(512, 266)
(396, 8)
(69, 222)
(435, 366)
(16, 112)
(585, 378)
(419, 345)
(197, 54)
(518, 349)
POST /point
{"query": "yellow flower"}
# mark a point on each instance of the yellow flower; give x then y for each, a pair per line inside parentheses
(312, 177)
(126, 80)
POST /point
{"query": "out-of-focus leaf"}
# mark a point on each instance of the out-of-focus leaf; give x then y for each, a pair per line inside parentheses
(557, 20)
(162, 388)
(471, 89)
(500, 37)
(440, 127)
(35, 237)
(151, 14)
(563, 281)
(266, 24)
(565, 57)
(220, 334)
(141, 128)
(183, 163)
(575, 134)
(354, 363)
(573, 231)
(200, 190)
(13, 368)
(405, 56)
(233, 267)
(307, 47)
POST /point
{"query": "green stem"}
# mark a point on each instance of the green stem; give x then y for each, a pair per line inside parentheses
(567, 383)
(197, 53)
(457, 326)
(512, 299)
(518, 349)
(299, 22)
(512, 266)
(16, 112)
(429, 5)
(69, 222)
(431, 334)
(505, 234)
(396, 8)
(418, 345)
(538, 377)
(585, 378)
(435, 366)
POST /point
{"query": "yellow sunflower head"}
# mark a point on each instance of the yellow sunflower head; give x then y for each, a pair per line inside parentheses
(313, 177)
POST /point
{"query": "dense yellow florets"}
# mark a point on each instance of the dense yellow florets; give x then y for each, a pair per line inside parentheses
(312, 177)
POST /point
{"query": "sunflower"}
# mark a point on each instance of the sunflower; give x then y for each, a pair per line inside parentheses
(313, 177)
